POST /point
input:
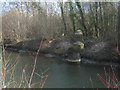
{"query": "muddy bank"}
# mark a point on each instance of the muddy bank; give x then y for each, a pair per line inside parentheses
(68, 47)
(100, 50)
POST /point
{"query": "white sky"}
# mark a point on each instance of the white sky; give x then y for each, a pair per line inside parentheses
(31, 0)
(59, 0)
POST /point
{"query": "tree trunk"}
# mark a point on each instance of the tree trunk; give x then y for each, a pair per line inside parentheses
(72, 16)
(63, 18)
(104, 20)
(101, 20)
(96, 20)
(82, 17)
(92, 20)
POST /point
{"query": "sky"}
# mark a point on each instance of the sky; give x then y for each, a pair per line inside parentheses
(58, 0)
(1, 1)
(31, 0)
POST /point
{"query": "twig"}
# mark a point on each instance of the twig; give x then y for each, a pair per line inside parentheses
(35, 63)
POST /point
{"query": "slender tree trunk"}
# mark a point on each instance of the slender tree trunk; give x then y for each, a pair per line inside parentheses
(27, 8)
(104, 20)
(72, 16)
(92, 20)
(33, 10)
(96, 20)
(39, 7)
(63, 17)
(101, 20)
(82, 17)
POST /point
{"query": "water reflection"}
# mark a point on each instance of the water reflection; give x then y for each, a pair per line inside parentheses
(60, 74)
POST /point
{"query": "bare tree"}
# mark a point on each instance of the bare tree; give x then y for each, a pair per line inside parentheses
(82, 17)
(63, 17)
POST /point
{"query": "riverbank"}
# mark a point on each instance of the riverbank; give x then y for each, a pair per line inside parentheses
(97, 50)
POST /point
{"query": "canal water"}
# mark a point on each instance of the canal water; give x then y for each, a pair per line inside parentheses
(59, 74)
